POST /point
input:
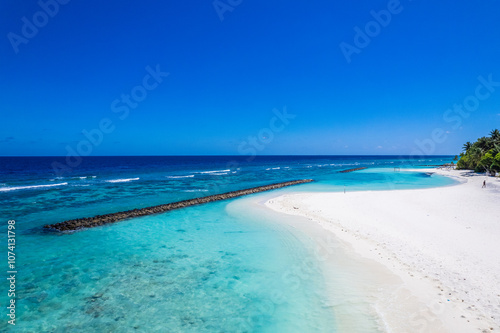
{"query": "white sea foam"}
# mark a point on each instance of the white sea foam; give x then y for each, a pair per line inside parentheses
(13, 188)
(86, 177)
(175, 177)
(121, 180)
(216, 171)
(195, 191)
(53, 179)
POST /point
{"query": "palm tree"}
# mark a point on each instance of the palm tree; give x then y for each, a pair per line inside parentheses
(467, 147)
(484, 144)
(475, 155)
(496, 148)
(495, 135)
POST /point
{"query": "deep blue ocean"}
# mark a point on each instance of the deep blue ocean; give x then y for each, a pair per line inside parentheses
(208, 268)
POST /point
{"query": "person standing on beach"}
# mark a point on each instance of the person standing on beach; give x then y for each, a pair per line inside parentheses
(484, 184)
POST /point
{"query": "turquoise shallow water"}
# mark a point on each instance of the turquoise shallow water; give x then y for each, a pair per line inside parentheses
(213, 268)
(201, 269)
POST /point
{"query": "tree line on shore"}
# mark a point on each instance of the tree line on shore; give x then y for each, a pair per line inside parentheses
(482, 155)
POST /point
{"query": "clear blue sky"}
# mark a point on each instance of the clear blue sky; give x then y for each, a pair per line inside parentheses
(226, 76)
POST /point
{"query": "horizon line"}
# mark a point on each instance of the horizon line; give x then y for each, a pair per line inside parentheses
(219, 155)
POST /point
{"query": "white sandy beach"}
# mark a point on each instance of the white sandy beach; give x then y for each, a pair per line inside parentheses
(441, 245)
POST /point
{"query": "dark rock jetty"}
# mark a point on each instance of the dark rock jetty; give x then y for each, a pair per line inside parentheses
(351, 170)
(90, 222)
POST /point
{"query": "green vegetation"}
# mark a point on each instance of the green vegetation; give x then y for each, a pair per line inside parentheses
(482, 155)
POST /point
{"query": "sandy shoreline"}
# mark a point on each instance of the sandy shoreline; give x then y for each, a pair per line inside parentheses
(441, 244)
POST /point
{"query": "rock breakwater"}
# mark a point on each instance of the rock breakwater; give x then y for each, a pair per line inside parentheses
(99, 220)
(351, 170)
